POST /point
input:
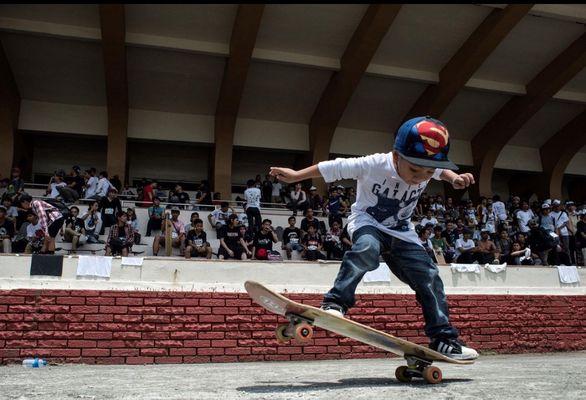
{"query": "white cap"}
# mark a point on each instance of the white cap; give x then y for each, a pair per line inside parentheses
(556, 202)
(312, 188)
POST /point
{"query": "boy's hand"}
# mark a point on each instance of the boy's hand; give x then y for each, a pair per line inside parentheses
(463, 181)
(285, 174)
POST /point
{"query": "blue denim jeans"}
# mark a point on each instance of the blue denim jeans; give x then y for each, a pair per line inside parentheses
(409, 262)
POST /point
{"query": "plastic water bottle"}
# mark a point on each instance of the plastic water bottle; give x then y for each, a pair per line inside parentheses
(34, 363)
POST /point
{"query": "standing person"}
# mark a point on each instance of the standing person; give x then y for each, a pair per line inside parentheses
(148, 194)
(252, 196)
(121, 236)
(499, 208)
(196, 243)
(572, 225)
(292, 238)
(50, 219)
(276, 191)
(524, 215)
(155, 212)
(91, 183)
(581, 235)
(562, 220)
(387, 191)
(267, 189)
(263, 241)
(110, 207)
(316, 203)
(298, 199)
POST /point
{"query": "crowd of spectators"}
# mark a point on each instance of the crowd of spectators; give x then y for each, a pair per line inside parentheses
(491, 231)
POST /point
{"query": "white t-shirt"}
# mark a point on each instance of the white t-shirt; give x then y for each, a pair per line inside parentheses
(91, 186)
(277, 186)
(383, 199)
(220, 217)
(252, 196)
(500, 210)
(560, 217)
(524, 217)
(464, 244)
(426, 221)
(31, 229)
(103, 186)
(54, 192)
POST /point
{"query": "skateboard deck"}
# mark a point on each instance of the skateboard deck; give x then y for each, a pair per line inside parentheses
(168, 237)
(303, 317)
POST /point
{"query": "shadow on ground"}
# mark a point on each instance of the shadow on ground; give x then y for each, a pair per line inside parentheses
(341, 384)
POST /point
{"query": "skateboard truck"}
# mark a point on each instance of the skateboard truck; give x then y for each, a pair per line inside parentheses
(298, 328)
(418, 367)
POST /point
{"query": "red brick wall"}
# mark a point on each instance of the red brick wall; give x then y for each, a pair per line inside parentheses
(113, 327)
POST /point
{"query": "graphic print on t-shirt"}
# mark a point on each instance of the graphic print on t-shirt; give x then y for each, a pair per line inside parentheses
(399, 210)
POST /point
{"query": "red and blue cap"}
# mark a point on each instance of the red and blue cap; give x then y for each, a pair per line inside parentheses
(424, 141)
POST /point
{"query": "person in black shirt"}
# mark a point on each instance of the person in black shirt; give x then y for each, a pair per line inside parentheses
(581, 235)
(312, 244)
(292, 238)
(73, 230)
(74, 189)
(267, 189)
(231, 245)
(196, 244)
(333, 242)
(179, 196)
(263, 241)
(309, 220)
(110, 206)
(6, 232)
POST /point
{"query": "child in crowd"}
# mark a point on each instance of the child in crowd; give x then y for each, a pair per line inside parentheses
(196, 244)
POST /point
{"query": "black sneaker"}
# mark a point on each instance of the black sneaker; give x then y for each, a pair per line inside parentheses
(334, 309)
(453, 348)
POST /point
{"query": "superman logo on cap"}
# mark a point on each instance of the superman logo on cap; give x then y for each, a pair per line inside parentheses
(434, 137)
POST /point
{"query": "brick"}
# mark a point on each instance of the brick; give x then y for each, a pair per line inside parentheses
(125, 352)
(127, 318)
(52, 343)
(9, 353)
(71, 300)
(113, 309)
(238, 303)
(196, 359)
(168, 343)
(168, 360)
(315, 349)
(65, 352)
(11, 317)
(224, 359)
(20, 308)
(109, 344)
(211, 302)
(158, 319)
(155, 335)
(170, 310)
(184, 318)
(186, 302)
(100, 301)
(21, 326)
(139, 343)
(198, 327)
(224, 343)
(13, 300)
(197, 343)
(211, 335)
(110, 360)
(126, 335)
(95, 352)
(198, 310)
(98, 317)
(97, 335)
(153, 352)
(211, 318)
(115, 327)
(142, 310)
(69, 317)
(129, 301)
(139, 360)
(185, 351)
(141, 327)
(82, 343)
(84, 309)
(203, 351)
(158, 302)
(21, 343)
(225, 310)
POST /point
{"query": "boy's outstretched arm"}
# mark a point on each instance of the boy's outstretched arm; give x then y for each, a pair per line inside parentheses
(291, 176)
(458, 181)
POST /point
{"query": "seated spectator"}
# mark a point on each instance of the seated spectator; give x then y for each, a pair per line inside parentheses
(74, 186)
(219, 217)
(489, 220)
(333, 242)
(486, 252)
(178, 196)
(196, 244)
(309, 220)
(424, 233)
(465, 248)
(438, 206)
(429, 218)
(128, 193)
(312, 244)
(503, 246)
(450, 234)
(231, 240)
(451, 209)
(20, 240)
(191, 225)
(6, 232)
(263, 241)
(333, 206)
(351, 196)
(11, 210)
(519, 255)
(499, 208)
(298, 200)
(133, 222)
(155, 212)
(93, 222)
(177, 232)
(292, 238)
(55, 182)
(15, 186)
(460, 228)
(50, 216)
(73, 230)
(121, 236)
(247, 241)
(344, 204)
(110, 207)
(35, 234)
(205, 195)
(541, 241)
(315, 201)
(440, 243)
(523, 216)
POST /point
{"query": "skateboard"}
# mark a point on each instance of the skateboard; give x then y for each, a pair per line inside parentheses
(302, 318)
(439, 256)
(168, 232)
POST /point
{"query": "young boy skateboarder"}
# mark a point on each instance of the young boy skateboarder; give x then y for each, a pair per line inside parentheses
(388, 187)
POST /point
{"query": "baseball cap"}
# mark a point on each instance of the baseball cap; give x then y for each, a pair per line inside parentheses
(175, 208)
(545, 205)
(312, 188)
(424, 141)
(556, 202)
(570, 203)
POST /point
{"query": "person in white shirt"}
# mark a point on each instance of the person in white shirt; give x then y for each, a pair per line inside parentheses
(91, 185)
(56, 182)
(252, 196)
(465, 248)
(562, 220)
(524, 215)
(276, 194)
(219, 217)
(429, 219)
(499, 208)
(388, 187)
(103, 185)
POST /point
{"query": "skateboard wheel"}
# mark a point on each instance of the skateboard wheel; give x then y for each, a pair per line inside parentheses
(432, 374)
(303, 333)
(280, 333)
(401, 374)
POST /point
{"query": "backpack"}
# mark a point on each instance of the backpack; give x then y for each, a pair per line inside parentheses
(59, 205)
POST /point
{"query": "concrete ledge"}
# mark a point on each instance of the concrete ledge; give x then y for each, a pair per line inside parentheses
(178, 274)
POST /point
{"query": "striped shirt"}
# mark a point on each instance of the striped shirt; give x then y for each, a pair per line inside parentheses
(46, 212)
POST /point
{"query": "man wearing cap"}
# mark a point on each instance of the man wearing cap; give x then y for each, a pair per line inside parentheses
(316, 203)
(561, 218)
(177, 234)
(388, 187)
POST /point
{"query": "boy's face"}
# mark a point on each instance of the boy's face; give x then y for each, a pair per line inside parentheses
(311, 229)
(292, 221)
(412, 174)
(336, 225)
(198, 227)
